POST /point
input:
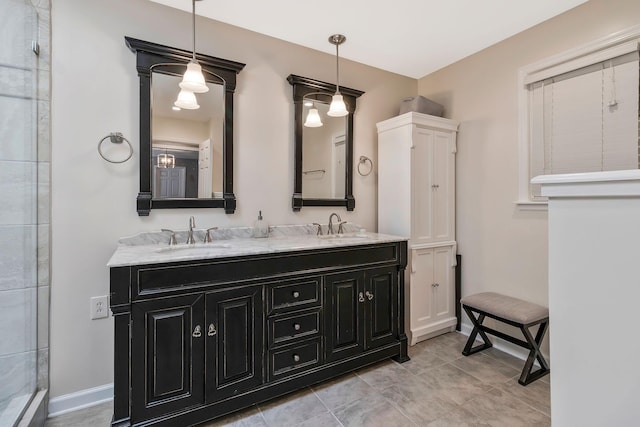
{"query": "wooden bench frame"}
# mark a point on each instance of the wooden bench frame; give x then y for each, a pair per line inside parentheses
(531, 343)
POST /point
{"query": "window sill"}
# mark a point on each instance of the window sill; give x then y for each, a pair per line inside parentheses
(527, 205)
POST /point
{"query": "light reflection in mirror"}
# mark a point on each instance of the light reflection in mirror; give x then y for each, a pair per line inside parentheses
(323, 156)
(194, 137)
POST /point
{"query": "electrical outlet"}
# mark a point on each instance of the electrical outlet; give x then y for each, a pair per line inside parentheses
(99, 307)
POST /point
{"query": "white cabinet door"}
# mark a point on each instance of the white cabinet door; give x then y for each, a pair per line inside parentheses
(443, 187)
(432, 186)
(420, 307)
(430, 300)
(443, 289)
(422, 184)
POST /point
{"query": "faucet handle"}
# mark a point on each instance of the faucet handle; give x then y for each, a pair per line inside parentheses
(340, 227)
(172, 237)
(207, 235)
(319, 231)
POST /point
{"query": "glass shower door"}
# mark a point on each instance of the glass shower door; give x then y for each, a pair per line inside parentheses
(18, 210)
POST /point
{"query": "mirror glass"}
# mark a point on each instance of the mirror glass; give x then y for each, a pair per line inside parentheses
(323, 155)
(187, 145)
(323, 167)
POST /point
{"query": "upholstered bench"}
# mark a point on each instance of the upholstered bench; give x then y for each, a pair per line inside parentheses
(514, 312)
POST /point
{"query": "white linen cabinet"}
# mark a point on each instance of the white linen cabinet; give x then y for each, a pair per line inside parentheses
(416, 199)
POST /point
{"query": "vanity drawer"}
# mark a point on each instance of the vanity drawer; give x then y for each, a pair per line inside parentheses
(294, 294)
(294, 327)
(293, 359)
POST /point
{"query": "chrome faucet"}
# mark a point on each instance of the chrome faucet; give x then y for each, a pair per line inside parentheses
(319, 229)
(192, 225)
(207, 236)
(330, 228)
(172, 236)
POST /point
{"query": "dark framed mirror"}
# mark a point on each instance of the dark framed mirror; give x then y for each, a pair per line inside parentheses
(186, 156)
(323, 169)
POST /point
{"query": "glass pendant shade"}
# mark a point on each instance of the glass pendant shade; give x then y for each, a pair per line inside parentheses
(187, 100)
(193, 79)
(166, 160)
(337, 107)
(313, 119)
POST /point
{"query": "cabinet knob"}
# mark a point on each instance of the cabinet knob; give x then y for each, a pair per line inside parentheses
(296, 358)
(212, 330)
(296, 294)
(197, 332)
(360, 297)
(296, 326)
(369, 295)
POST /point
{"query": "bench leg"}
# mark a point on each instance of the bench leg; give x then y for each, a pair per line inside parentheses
(477, 329)
(534, 353)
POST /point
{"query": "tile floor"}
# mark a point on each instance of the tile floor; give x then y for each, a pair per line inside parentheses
(437, 387)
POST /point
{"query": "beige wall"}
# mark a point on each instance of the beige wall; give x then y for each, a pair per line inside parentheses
(95, 92)
(503, 248)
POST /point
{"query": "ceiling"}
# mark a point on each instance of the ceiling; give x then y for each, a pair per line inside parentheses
(408, 37)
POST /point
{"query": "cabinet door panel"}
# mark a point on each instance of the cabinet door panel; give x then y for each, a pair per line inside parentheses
(234, 341)
(421, 288)
(381, 309)
(168, 344)
(444, 293)
(422, 190)
(443, 177)
(344, 302)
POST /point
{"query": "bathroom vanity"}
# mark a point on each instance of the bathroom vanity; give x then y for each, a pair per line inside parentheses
(207, 329)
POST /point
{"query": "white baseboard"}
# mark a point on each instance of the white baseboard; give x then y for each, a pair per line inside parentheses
(80, 400)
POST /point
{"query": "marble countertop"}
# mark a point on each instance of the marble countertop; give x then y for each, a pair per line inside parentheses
(153, 248)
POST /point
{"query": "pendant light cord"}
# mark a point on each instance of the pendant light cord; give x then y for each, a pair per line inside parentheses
(193, 15)
(337, 69)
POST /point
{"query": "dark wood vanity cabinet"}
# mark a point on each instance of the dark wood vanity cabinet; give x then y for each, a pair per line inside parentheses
(360, 311)
(195, 340)
(167, 355)
(234, 341)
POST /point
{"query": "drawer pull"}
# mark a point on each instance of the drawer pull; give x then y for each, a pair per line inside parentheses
(296, 358)
(296, 326)
(296, 294)
(360, 297)
(369, 295)
(197, 333)
(212, 330)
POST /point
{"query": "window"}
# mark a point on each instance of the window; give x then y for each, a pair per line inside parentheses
(579, 112)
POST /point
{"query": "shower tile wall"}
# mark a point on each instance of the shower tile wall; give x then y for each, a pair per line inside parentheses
(24, 207)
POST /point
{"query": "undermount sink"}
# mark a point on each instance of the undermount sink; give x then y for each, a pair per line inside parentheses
(193, 247)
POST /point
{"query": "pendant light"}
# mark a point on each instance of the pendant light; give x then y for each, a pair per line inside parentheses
(166, 160)
(187, 100)
(193, 79)
(337, 107)
(313, 118)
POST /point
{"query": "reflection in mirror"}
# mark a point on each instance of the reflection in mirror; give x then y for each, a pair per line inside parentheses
(323, 174)
(186, 156)
(187, 150)
(323, 155)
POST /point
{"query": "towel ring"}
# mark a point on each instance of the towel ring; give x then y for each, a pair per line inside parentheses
(363, 160)
(115, 138)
